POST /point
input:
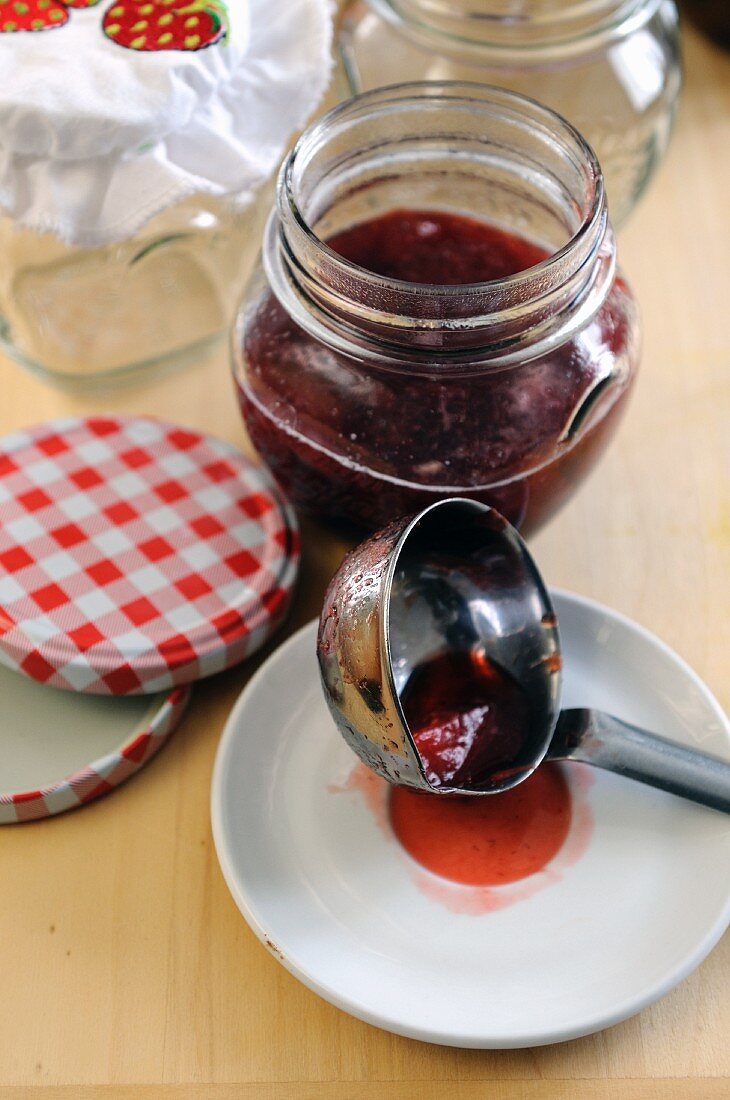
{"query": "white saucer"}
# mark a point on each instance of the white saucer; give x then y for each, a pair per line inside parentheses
(627, 910)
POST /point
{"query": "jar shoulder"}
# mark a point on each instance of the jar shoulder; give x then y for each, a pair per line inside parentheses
(307, 345)
(368, 44)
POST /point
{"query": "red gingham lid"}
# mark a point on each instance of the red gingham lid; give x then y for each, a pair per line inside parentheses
(136, 555)
(79, 784)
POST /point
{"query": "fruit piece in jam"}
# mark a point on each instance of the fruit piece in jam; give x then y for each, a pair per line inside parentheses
(468, 718)
(350, 441)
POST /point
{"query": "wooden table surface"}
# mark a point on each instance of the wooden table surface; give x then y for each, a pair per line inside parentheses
(126, 968)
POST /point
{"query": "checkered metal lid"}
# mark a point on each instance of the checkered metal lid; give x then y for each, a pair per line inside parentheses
(136, 555)
(51, 765)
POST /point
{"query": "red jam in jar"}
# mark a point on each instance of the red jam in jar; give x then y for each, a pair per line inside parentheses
(435, 247)
(420, 352)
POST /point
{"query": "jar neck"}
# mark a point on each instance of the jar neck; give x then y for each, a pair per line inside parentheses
(520, 26)
(459, 148)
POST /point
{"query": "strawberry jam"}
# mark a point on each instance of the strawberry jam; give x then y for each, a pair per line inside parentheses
(365, 437)
(434, 247)
(468, 718)
(488, 841)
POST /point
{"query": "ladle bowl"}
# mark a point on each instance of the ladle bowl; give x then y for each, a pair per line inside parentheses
(456, 577)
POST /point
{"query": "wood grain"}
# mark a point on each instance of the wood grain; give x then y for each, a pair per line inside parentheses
(124, 961)
(661, 1088)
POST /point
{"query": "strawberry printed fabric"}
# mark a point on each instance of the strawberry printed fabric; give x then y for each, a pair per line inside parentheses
(111, 112)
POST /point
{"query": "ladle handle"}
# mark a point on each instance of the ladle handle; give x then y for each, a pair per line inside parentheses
(606, 742)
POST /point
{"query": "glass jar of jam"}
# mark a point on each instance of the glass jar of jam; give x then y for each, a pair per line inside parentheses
(437, 311)
(611, 67)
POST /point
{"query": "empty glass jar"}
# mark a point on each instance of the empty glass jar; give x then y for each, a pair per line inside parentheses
(133, 181)
(611, 67)
(83, 315)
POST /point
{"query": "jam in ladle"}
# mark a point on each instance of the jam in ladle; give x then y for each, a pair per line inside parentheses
(440, 658)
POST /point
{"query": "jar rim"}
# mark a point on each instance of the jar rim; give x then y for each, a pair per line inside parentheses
(454, 90)
(613, 19)
(425, 130)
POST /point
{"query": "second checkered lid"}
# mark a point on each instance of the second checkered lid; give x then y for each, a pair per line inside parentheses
(136, 555)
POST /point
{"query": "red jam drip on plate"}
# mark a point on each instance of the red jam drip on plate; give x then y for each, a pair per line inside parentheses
(487, 841)
(468, 718)
(351, 442)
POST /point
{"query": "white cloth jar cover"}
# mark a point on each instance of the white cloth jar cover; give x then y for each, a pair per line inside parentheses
(112, 111)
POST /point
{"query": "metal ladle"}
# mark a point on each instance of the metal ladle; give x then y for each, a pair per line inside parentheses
(458, 578)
